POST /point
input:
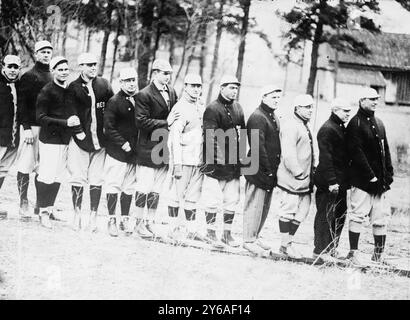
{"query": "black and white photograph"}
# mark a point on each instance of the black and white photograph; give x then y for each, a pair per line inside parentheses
(208, 153)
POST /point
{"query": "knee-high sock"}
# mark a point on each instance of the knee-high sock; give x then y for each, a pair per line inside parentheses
(22, 185)
(77, 197)
(152, 204)
(44, 194)
(284, 227)
(353, 240)
(1, 181)
(140, 201)
(293, 227)
(173, 216)
(54, 188)
(379, 243)
(95, 196)
(210, 220)
(125, 201)
(228, 219)
(111, 203)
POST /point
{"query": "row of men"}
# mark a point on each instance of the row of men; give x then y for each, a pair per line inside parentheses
(105, 138)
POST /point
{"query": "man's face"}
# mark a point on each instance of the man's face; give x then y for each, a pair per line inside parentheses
(343, 114)
(163, 77)
(369, 104)
(44, 55)
(129, 85)
(89, 70)
(193, 90)
(305, 111)
(230, 91)
(61, 72)
(11, 71)
(272, 99)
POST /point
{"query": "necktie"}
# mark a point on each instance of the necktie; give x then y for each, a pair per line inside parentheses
(15, 128)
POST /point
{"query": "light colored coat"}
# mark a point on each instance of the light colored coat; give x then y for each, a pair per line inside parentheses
(185, 134)
(294, 172)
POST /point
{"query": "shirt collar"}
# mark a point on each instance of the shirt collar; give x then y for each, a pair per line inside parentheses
(159, 87)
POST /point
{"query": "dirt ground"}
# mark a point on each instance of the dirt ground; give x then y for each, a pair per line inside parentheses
(36, 263)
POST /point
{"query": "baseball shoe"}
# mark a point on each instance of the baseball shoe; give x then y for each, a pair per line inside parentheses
(253, 247)
(112, 227)
(292, 252)
(262, 244)
(336, 254)
(92, 223)
(324, 258)
(3, 214)
(283, 250)
(24, 211)
(379, 259)
(229, 240)
(194, 235)
(130, 226)
(45, 220)
(353, 258)
(213, 240)
(178, 233)
(123, 223)
(76, 224)
(143, 231)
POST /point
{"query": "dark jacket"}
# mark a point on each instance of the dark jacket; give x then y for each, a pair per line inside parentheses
(151, 112)
(227, 116)
(31, 83)
(266, 122)
(78, 102)
(119, 127)
(7, 112)
(52, 115)
(333, 157)
(369, 153)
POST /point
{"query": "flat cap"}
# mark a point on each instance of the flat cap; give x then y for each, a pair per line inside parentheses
(42, 44)
(56, 61)
(228, 79)
(269, 89)
(162, 65)
(87, 57)
(191, 78)
(369, 93)
(340, 103)
(12, 59)
(303, 100)
(128, 73)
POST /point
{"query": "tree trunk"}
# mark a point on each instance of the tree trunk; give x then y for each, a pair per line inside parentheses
(216, 51)
(114, 55)
(245, 22)
(171, 49)
(107, 32)
(183, 53)
(64, 40)
(158, 31)
(315, 52)
(202, 57)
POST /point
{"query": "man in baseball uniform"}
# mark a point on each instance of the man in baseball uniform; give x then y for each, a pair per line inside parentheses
(86, 98)
(371, 174)
(121, 135)
(295, 172)
(55, 134)
(152, 107)
(185, 147)
(9, 115)
(331, 179)
(31, 83)
(258, 189)
(222, 163)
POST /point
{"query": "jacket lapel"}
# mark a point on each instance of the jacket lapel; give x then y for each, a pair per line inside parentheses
(158, 96)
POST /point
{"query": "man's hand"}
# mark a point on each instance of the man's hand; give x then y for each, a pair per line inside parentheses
(334, 188)
(126, 147)
(73, 121)
(374, 179)
(80, 136)
(28, 136)
(177, 171)
(173, 117)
